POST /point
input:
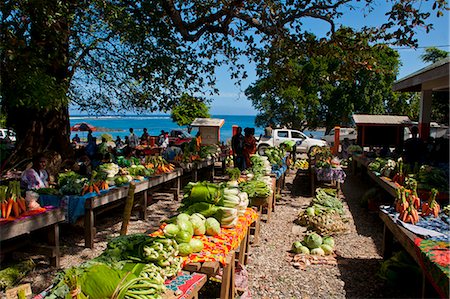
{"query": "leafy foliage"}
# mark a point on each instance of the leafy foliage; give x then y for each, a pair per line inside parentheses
(188, 109)
(143, 55)
(321, 83)
(433, 54)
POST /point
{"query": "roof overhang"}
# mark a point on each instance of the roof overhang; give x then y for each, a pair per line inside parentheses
(208, 122)
(433, 77)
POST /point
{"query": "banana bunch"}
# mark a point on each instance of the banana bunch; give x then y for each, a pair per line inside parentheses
(301, 164)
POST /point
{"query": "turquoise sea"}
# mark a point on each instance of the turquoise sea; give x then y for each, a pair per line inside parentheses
(119, 125)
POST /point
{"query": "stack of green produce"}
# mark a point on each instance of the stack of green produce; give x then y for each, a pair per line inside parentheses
(108, 170)
(71, 183)
(127, 162)
(325, 215)
(377, 164)
(260, 166)
(314, 244)
(256, 188)
(139, 171)
(275, 155)
(131, 266)
(224, 202)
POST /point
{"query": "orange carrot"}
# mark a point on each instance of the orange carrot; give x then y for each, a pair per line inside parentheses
(96, 189)
(22, 204)
(9, 207)
(16, 209)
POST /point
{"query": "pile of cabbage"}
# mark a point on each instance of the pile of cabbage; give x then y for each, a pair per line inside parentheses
(184, 227)
(314, 244)
(132, 265)
(224, 202)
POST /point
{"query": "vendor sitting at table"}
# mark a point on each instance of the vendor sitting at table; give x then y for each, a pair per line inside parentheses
(36, 177)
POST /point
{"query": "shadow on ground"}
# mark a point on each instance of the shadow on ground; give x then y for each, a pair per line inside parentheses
(357, 272)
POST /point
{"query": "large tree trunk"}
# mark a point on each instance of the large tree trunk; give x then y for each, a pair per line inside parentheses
(39, 115)
(40, 131)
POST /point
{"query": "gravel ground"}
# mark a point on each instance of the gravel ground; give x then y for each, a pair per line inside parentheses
(270, 273)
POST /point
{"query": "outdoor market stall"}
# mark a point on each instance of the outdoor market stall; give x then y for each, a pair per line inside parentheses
(429, 246)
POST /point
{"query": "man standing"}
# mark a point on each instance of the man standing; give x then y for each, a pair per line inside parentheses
(237, 144)
(133, 140)
(268, 131)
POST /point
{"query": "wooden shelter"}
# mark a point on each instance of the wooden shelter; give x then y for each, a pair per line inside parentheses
(380, 130)
(430, 79)
(209, 129)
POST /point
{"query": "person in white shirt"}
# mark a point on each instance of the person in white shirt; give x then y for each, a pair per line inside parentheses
(165, 143)
(37, 176)
(133, 140)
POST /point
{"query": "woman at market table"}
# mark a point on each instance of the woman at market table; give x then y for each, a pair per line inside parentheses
(249, 145)
(237, 144)
(36, 177)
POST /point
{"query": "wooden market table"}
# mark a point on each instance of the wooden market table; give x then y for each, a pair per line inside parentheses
(237, 252)
(407, 239)
(118, 194)
(48, 220)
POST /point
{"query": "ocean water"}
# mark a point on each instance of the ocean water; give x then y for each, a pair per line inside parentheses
(119, 125)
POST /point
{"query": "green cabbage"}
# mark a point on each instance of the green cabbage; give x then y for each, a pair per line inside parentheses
(196, 245)
(171, 230)
(317, 251)
(327, 248)
(212, 227)
(185, 225)
(183, 237)
(183, 216)
(198, 223)
(310, 211)
(313, 241)
(184, 249)
(328, 241)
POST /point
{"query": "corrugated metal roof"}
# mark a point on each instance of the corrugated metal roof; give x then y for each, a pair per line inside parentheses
(208, 122)
(381, 119)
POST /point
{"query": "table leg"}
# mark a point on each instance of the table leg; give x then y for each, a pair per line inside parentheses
(227, 287)
(256, 226)
(388, 239)
(89, 229)
(53, 240)
(177, 188)
(242, 250)
(195, 175)
(144, 204)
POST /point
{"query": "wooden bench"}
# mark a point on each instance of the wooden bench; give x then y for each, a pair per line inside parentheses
(48, 220)
(116, 196)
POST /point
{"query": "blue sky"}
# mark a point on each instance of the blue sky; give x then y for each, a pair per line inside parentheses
(232, 100)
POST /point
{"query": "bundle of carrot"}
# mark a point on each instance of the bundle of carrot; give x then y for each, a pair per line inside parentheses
(90, 187)
(431, 207)
(12, 200)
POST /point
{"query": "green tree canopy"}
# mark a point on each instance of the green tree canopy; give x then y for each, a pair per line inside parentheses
(188, 109)
(433, 54)
(115, 55)
(321, 83)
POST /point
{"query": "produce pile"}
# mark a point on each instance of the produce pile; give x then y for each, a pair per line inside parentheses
(192, 153)
(13, 204)
(275, 155)
(326, 213)
(133, 266)
(224, 201)
(314, 244)
(301, 164)
(109, 174)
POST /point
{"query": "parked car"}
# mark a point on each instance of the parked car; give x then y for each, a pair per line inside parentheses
(304, 143)
(349, 133)
(5, 132)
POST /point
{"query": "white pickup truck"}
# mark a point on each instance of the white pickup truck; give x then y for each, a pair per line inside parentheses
(304, 143)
